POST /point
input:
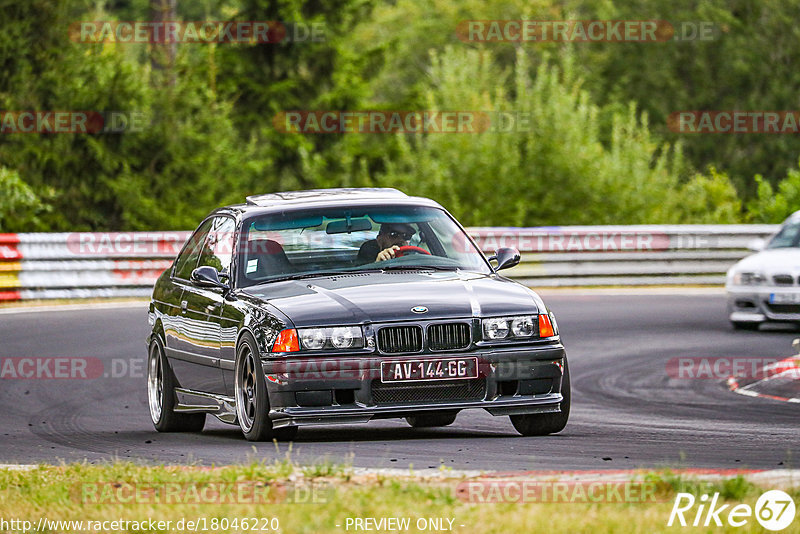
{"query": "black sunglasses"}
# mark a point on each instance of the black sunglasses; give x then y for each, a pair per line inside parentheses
(405, 235)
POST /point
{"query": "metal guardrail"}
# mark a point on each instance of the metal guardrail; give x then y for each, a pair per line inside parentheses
(90, 265)
(624, 255)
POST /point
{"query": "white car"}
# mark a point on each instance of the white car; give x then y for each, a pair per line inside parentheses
(766, 286)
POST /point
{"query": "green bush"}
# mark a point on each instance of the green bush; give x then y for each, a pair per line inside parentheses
(770, 206)
(19, 205)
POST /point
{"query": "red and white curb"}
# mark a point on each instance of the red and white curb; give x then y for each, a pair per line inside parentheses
(781, 382)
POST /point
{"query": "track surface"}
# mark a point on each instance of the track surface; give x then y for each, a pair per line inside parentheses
(627, 412)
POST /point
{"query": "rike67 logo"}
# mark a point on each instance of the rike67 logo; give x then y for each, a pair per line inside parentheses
(774, 510)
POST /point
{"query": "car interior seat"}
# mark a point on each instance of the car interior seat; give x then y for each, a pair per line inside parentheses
(266, 258)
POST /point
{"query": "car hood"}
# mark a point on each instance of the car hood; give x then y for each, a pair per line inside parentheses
(771, 262)
(389, 296)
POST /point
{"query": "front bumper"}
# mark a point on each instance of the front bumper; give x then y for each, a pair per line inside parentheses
(752, 304)
(342, 389)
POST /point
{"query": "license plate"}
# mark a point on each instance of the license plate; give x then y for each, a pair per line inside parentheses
(784, 298)
(424, 370)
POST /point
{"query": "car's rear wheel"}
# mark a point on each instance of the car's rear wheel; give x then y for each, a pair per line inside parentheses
(252, 399)
(745, 325)
(548, 423)
(161, 386)
(431, 420)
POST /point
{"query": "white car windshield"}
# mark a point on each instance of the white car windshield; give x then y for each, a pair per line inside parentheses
(306, 243)
(788, 236)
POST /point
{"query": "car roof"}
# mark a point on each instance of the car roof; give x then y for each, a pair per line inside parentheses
(311, 195)
(323, 198)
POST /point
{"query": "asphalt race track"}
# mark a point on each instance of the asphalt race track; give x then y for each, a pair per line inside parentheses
(627, 411)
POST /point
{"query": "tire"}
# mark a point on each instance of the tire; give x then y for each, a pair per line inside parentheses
(252, 399)
(431, 420)
(548, 423)
(745, 325)
(161, 385)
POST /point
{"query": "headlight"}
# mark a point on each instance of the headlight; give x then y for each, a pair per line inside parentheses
(495, 328)
(340, 337)
(522, 326)
(344, 336)
(518, 327)
(313, 338)
(749, 279)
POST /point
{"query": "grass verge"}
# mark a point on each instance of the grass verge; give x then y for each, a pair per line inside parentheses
(327, 497)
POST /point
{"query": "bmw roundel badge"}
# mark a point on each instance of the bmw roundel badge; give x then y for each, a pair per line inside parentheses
(419, 309)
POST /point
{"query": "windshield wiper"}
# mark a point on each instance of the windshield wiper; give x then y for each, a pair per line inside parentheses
(319, 274)
(419, 268)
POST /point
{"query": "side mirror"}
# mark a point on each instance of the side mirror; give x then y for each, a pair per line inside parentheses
(756, 245)
(505, 257)
(207, 277)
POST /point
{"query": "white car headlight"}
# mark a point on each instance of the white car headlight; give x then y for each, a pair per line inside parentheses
(745, 278)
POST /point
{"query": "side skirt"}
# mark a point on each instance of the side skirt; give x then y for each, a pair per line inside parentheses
(221, 407)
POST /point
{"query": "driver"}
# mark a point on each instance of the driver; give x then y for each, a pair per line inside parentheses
(390, 237)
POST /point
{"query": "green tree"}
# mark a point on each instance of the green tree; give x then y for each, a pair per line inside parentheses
(557, 171)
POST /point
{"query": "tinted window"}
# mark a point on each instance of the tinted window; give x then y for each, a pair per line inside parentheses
(187, 259)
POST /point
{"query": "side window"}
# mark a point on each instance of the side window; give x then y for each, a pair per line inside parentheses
(187, 259)
(218, 249)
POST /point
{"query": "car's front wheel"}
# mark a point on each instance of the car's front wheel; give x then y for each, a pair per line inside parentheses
(161, 386)
(548, 423)
(431, 420)
(252, 399)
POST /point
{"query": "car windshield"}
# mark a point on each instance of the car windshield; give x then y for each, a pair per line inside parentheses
(787, 236)
(307, 243)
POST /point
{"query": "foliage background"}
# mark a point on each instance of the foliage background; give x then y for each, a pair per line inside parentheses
(599, 151)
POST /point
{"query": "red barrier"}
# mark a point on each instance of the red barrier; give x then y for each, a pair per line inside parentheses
(8, 296)
(8, 247)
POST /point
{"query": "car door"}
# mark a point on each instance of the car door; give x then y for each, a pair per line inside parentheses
(193, 347)
(205, 305)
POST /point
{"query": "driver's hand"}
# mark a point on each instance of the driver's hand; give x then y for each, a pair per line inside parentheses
(387, 253)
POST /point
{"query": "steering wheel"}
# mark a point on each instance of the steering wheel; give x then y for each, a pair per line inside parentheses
(402, 251)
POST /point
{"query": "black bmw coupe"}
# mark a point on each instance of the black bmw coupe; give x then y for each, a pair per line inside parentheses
(345, 305)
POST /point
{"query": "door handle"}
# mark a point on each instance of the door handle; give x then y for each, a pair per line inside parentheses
(184, 305)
